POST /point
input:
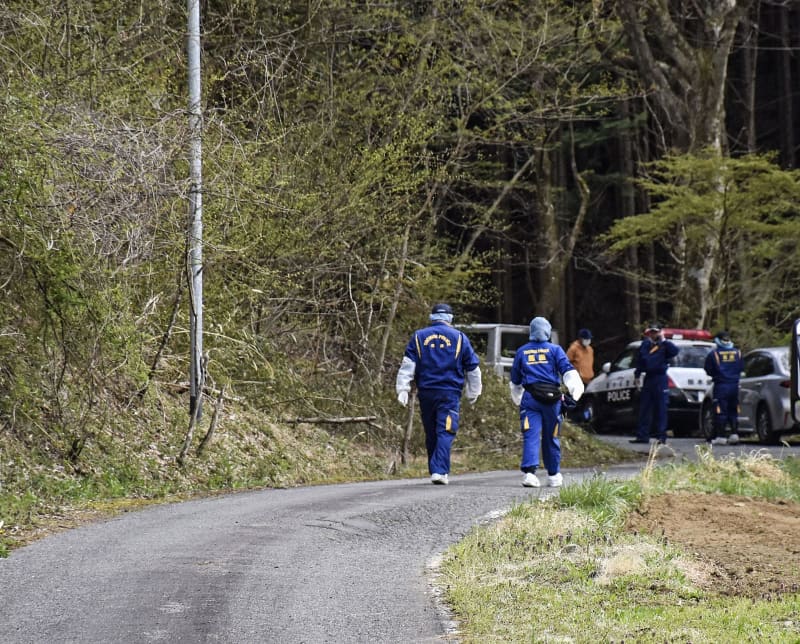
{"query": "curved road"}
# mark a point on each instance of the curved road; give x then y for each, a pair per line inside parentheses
(338, 563)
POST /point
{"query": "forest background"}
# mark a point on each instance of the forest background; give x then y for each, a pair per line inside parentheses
(597, 162)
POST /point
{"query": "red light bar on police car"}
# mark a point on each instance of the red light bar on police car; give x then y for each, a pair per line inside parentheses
(686, 334)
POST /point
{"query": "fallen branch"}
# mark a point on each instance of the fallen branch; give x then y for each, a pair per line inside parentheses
(340, 420)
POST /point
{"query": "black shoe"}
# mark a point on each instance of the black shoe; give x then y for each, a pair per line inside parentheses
(638, 440)
(660, 442)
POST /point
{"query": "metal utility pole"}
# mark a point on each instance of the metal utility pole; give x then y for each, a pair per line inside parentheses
(195, 242)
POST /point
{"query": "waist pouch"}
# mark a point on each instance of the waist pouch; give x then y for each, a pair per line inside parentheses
(545, 392)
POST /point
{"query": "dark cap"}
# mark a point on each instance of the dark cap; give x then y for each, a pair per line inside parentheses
(653, 327)
(442, 308)
(725, 336)
(585, 333)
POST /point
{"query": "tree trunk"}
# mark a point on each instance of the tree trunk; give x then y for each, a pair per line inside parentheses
(687, 72)
(750, 50)
(627, 201)
(555, 253)
(786, 110)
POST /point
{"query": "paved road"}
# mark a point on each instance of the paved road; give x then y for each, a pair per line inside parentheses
(678, 449)
(339, 563)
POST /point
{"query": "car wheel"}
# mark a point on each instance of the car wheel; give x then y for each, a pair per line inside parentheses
(764, 426)
(707, 421)
(597, 423)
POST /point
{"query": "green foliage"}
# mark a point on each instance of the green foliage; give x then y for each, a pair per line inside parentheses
(359, 162)
(726, 224)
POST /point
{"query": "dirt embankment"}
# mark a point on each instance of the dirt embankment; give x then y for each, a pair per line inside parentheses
(752, 546)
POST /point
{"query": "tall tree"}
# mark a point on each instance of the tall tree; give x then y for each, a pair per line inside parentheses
(681, 51)
(748, 205)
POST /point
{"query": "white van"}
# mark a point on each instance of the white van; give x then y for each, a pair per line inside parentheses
(496, 344)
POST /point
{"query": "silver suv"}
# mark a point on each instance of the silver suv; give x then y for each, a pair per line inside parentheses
(764, 407)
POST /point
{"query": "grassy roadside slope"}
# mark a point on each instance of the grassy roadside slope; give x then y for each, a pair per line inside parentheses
(132, 459)
(571, 569)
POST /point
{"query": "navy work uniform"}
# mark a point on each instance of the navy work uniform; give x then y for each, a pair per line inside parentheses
(724, 365)
(439, 359)
(653, 361)
(541, 362)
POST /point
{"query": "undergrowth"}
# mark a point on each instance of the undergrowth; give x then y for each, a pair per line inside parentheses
(132, 459)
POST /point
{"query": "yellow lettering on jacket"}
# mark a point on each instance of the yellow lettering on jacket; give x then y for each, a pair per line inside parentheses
(438, 338)
(536, 356)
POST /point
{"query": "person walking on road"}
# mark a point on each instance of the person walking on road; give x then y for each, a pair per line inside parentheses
(536, 374)
(439, 359)
(652, 360)
(581, 355)
(724, 365)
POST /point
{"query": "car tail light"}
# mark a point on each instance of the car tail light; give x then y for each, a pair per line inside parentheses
(786, 383)
(671, 383)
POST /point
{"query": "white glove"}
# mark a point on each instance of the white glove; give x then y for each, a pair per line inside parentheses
(405, 376)
(474, 385)
(516, 393)
(574, 384)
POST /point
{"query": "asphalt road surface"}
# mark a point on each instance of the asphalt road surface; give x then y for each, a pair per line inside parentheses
(683, 449)
(338, 563)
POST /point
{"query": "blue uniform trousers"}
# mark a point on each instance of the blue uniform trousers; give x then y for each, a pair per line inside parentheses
(541, 424)
(439, 409)
(726, 406)
(653, 407)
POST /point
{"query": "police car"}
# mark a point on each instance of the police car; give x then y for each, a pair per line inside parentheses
(612, 399)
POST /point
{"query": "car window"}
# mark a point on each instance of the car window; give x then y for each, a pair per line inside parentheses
(625, 360)
(510, 342)
(693, 356)
(757, 365)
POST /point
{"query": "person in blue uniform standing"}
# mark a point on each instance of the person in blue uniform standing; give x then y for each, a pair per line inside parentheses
(536, 374)
(652, 360)
(724, 365)
(440, 360)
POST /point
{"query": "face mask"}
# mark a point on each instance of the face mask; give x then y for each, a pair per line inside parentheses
(585, 342)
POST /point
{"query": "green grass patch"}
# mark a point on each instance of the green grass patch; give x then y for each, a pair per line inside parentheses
(563, 570)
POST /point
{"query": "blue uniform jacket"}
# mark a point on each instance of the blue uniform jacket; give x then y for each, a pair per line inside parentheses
(443, 355)
(653, 357)
(539, 362)
(724, 365)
